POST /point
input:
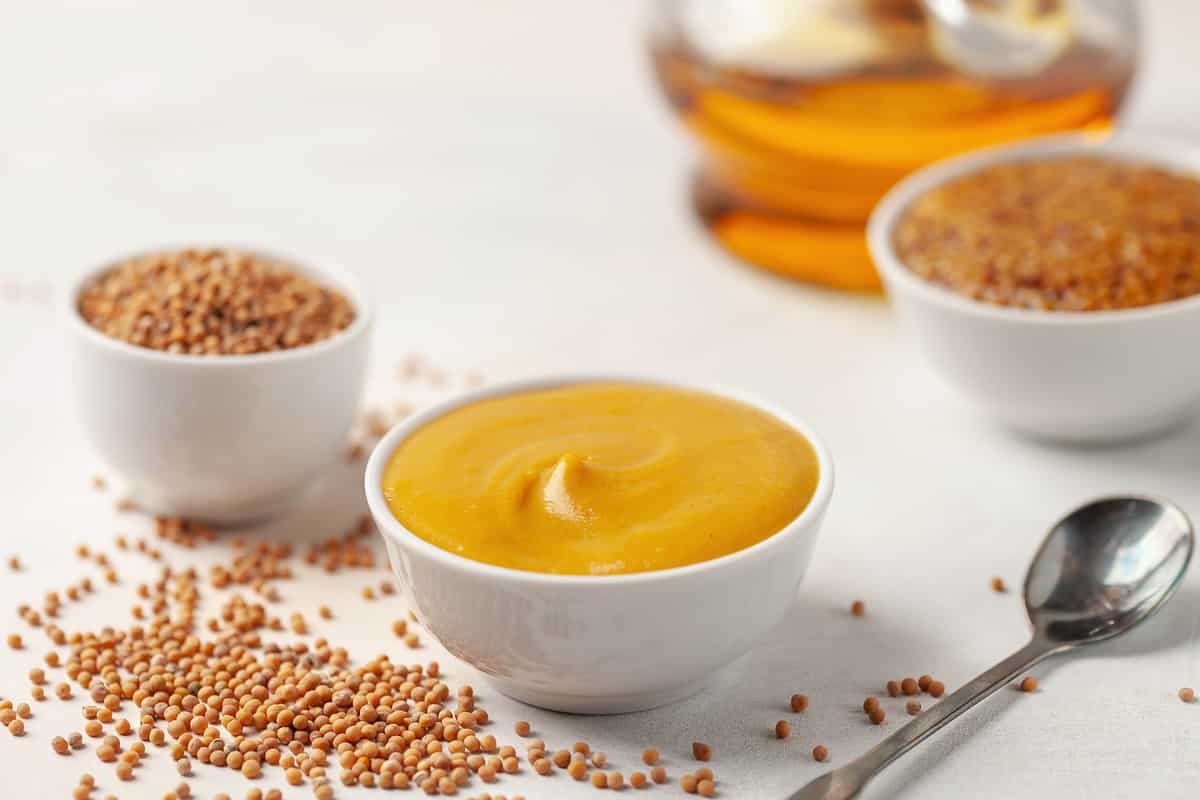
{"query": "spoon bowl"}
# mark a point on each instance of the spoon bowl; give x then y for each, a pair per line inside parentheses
(1105, 567)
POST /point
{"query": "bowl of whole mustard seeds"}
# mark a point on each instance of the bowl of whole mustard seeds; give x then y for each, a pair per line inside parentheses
(1054, 282)
(218, 382)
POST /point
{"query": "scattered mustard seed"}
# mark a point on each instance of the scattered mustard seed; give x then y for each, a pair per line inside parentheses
(616, 780)
(998, 585)
(650, 757)
(913, 707)
(783, 729)
(936, 688)
(876, 716)
(577, 770)
(870, 704)
(909, 686)
(521, 728)
(701, 751)
(1187, 694)
(637, 780)
(1029, 684)
(923, 682)
(799, 703)
(599, 780)
(820, 753)
(659, 775)
(688, 783)
(857, 608)
(706, 788)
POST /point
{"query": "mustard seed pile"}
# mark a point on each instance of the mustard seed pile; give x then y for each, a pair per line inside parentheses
(1059, 234)
(212, 302)
(213, 690)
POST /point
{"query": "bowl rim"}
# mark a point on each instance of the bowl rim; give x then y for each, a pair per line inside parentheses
(337, 277)
(392, 528)
(1175, 154)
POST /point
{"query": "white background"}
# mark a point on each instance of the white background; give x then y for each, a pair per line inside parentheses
(505, 177)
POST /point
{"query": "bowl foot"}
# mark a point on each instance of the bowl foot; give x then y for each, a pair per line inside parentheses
(582, 703)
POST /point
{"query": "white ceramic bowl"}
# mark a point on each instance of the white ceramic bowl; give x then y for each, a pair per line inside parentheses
(223, 439)
(1098, 376)
(598, 644)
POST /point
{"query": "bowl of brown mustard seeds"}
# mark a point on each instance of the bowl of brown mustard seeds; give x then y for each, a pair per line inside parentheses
(217, 381)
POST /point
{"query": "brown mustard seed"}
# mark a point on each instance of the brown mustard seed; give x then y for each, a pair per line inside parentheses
(599, 760)
(876, 716)
(870, 704)
(577, 770)
(1187, 694)
(799, 703)
(706, 788)
(580, 747)
(701, 751)
(60, 746)
(1082, 233)
(16, 727)
(542, 766)
(688, 783)
(893, 688)
(936, 688)
(857, 608)
(704, 774)
(522, 728)
(913, 707)
(783, 729)
(14, 563)
(998, 585)
(820, 753)
(562, 759)
(14, 641)
(923, 682)
(659, 775)
(599, 780)
(650, 757)
(616, 780)
(1029, 684)
(637, 780)
(909, 686)
(212, 302)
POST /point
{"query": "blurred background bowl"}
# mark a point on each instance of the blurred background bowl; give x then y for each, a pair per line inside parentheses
(1091, 376)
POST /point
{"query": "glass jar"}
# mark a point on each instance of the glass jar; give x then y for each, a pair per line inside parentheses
(809, 110)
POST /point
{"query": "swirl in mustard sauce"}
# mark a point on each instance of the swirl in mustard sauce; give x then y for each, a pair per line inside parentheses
(600, 478)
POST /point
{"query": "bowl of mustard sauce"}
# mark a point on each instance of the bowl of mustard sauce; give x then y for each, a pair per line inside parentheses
(599, 544)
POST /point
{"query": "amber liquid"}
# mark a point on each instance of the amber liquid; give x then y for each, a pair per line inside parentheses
(794, 165)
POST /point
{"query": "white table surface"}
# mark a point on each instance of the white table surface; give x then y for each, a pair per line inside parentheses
(506, 178)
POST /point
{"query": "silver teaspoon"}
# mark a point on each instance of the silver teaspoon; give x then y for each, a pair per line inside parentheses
(1101, 570)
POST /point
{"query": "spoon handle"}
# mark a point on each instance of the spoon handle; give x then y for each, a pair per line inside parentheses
(845, 782)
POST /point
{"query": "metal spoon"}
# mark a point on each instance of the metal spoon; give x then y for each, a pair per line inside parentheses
(1100, 571)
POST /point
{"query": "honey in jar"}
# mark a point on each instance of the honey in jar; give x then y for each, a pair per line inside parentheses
(807, 111)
